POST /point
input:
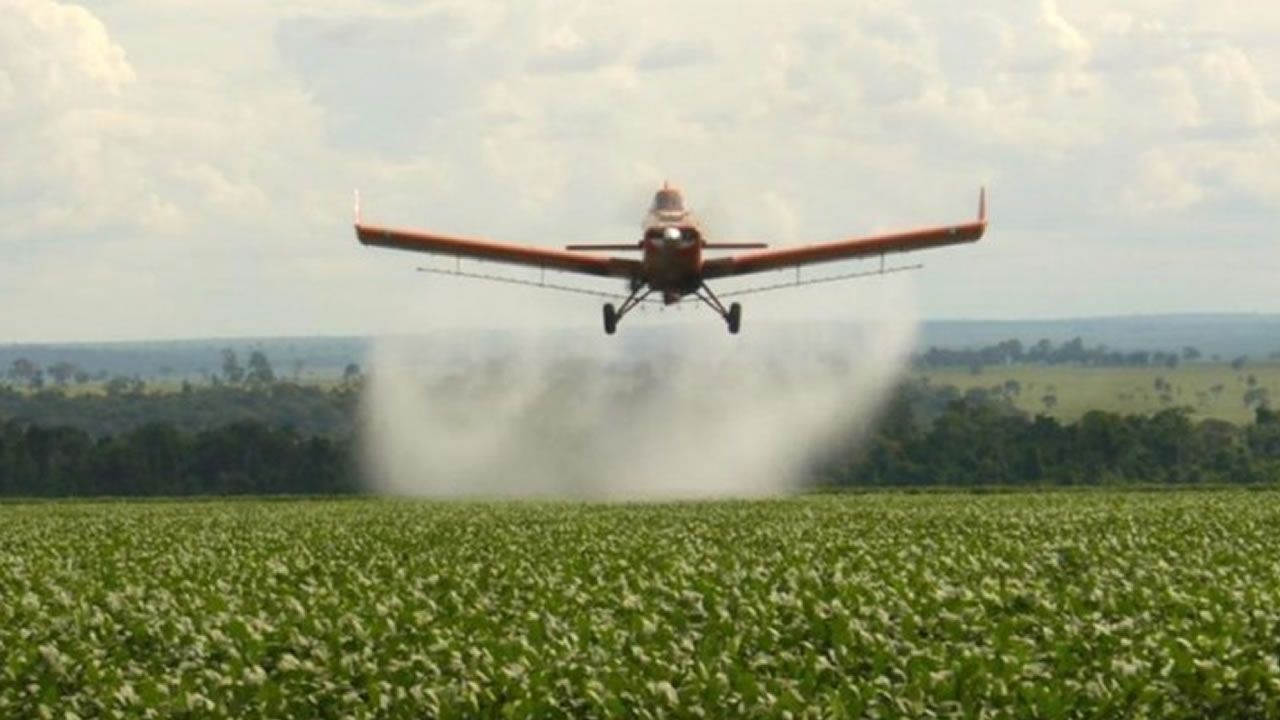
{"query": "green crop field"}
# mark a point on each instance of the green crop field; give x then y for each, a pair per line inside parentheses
(1212, 390)
(1031, 605)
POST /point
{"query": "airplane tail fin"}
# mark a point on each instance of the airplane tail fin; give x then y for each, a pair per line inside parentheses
(736, 246)
(604, 246)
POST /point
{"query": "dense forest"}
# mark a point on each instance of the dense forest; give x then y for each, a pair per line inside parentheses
(306, 409)
(242, 458)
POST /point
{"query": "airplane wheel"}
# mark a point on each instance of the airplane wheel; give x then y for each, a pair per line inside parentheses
(610, 319)
(735, 318)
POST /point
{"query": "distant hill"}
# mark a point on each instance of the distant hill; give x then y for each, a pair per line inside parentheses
(1228, 336)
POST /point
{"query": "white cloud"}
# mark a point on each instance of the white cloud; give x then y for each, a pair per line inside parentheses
(75, 55)
(1164, 183)
(188, 166)
(1233, 94)
(61, 78)
(675, 55)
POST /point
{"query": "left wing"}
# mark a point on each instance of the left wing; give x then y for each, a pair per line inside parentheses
(850, 249)
(481, 249)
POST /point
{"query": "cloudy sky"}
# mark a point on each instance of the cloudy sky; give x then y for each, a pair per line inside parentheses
(173, 168)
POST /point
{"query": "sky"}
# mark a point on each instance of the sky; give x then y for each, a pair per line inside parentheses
(174, 168)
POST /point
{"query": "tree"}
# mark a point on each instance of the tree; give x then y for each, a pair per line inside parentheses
(1191, 354)
(117, 385)
(22, 370)
(1040, 351)
(1140, 358)
(1257, 397)
(260, 373)
(62, 372)
(232, 371)
(1012, 350)
(1073, 351)
(121, 385)
(1238, 363)
(351, 373)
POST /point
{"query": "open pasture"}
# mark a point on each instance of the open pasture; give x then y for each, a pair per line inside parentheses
(1027, 605)
(1211, 390)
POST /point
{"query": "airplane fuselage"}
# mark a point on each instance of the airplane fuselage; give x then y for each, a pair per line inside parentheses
(672, 260)
(672, 248)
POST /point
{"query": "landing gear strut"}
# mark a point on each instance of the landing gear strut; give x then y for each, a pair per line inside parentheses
(732, 315)
(612, 316)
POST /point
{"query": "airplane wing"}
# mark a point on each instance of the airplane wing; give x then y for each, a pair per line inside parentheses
(481, 249)
(850, 249)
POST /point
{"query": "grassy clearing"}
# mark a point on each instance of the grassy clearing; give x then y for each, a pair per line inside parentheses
(1213, 390)
(1059, 605)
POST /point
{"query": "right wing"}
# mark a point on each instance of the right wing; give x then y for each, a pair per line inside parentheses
(851, 248)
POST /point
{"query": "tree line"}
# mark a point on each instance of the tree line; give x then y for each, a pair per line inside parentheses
(257, 371)
(1071, 352)
(158, 459)
(929, 436)
(308, 409)
(981, 439)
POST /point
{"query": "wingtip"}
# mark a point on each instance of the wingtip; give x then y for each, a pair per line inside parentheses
(357, 207)
(982, 204)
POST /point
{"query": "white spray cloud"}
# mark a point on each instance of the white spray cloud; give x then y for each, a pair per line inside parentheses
(655, 413)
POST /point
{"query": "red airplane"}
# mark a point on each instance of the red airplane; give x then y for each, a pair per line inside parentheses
(671, 259)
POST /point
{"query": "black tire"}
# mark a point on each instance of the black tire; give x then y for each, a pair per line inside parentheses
(610, 319)
(735, 318)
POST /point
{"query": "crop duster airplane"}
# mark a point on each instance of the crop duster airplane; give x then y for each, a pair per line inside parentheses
(672, 260)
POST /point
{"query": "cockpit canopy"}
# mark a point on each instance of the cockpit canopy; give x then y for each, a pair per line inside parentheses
(668, 200)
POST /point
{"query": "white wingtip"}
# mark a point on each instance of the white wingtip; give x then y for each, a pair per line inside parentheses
(357, 207)
(982, 204)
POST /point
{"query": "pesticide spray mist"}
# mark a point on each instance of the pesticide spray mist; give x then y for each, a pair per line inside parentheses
(690, 413)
